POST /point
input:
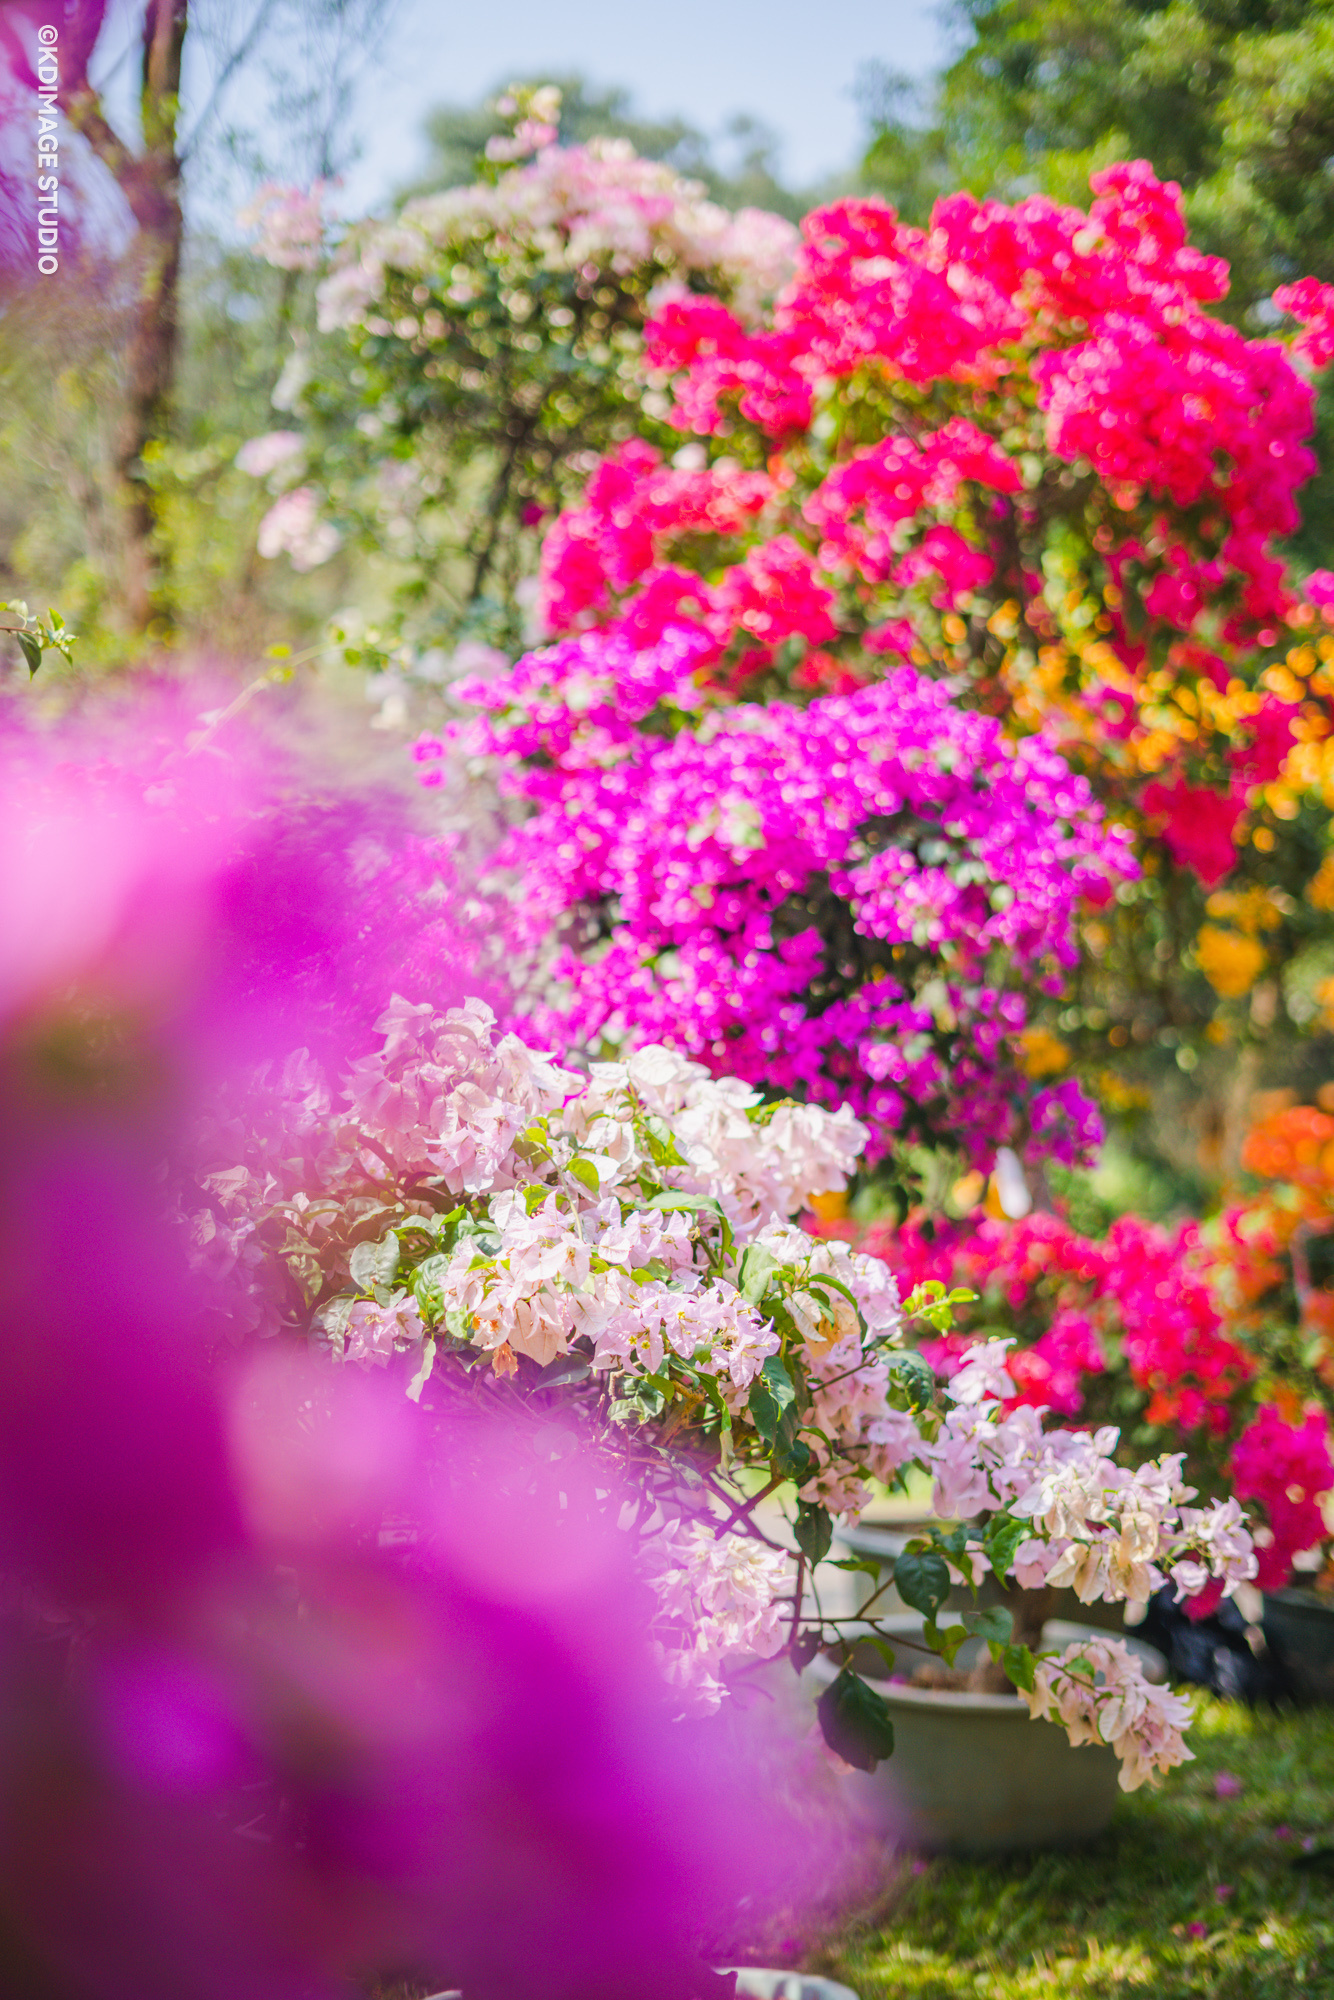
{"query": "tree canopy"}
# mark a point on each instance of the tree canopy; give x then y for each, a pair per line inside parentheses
(1232, 98)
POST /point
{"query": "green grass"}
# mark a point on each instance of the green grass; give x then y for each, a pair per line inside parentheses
(1115, 1918)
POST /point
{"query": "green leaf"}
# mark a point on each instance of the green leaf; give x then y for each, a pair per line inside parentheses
(30, 650)
(333, 1315)
(1001, 1538)
(428, 1294)
(458, 1323)
(995, 1624)
(533, 1197)
(566, 1368)
(792, 1461)
(954, 1545)
(754, 1271)
(1018, 1663)
(885, 1650)
(781, 1318)
(584, 1172)
(771, 1394)
(855, 1721)
(443, 1202)
(913, 1376)
(373, 1264)
(792, 1457)
(661, 1141)
(922, 1580)
(803, 1650)
(826, 1282)
(921, 1295)
(416, 1239)
(813, 1531)
(945, 1640)
(863, 1563)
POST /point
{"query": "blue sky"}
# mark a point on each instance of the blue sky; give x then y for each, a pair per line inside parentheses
(788, 62)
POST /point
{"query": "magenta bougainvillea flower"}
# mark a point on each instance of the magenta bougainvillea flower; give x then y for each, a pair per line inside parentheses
(847, 902)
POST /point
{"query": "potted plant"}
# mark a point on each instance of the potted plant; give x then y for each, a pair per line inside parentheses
(612, 1249)
(1215, 1338)
(967, 1775)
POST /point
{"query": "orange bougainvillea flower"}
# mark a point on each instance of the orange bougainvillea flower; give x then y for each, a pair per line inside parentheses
(1297, 1145)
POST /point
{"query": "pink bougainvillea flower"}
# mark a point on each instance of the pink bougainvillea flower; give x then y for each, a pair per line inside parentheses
(1200, 827)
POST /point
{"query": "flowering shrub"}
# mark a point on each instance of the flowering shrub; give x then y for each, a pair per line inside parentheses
(617, 1246)
(1187, 1335)
(844, 901)
(1141, 1295)
(1050, 339)
(480, 348)
(1015, 451)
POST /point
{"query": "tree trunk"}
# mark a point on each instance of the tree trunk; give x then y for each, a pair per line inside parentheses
(150, 371)
(150, 183)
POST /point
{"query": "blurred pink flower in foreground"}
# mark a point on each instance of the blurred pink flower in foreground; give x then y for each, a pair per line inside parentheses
(301, 1682)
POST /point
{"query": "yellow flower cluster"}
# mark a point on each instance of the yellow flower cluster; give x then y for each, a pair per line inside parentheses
(1119, 1096)
(1249, 910)
(1232, 959)
(1230, 962)
(1320, 888)
(1043, 1054)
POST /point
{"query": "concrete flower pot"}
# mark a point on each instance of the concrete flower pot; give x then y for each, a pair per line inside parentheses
(754, 1982)
(971, 1773)
(1299, 1631)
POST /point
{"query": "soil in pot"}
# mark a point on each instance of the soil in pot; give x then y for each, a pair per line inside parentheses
(971, 1773)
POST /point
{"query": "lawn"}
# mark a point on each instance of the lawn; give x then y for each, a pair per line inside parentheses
(1190, 1893)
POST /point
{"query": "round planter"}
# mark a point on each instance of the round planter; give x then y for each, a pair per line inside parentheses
(755, 1982)
(971, 1773)
(883, 1544)
(1299, 1631)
